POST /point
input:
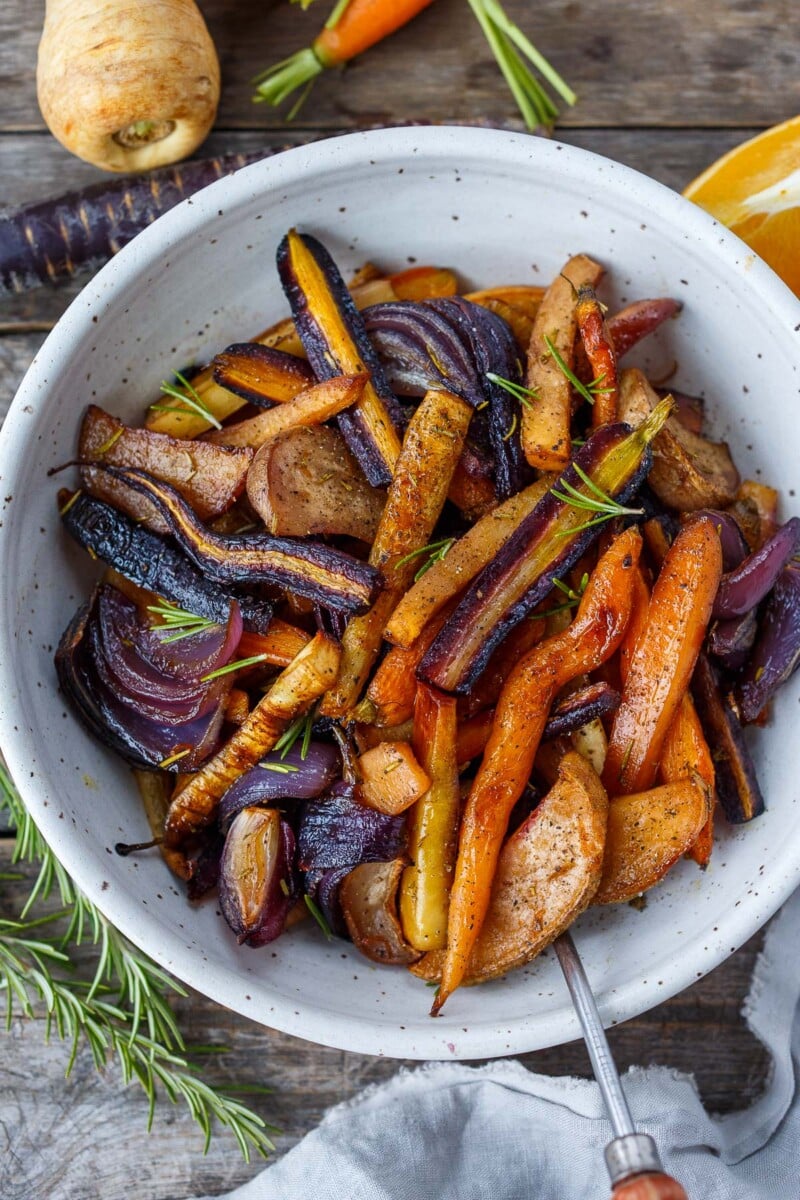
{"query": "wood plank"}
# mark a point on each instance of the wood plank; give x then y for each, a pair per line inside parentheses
(77, 1140)
(34, 166)
(645, 64)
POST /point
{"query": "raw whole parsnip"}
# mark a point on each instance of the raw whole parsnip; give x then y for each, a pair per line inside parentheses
(127, 84)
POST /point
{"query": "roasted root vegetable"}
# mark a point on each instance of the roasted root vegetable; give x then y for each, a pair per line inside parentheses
(664, 657)
(647, 834)
(414, 503)
(319, 572)
(393, 688)
(368, 896)
(547, 874)
(391, 778)
(545, 544)
(279, 644)
(546, 422)
(432, 824)
(743, 588)
(261, 374)
(689, 472)
(209, 478)
(294, 691)
(310, 407)
(336, 342)
(127, 87)
(777, 651)
(450, 574)
(637, 320)
(306, 482)
(519, 722)
(153, 563)
(257, 882)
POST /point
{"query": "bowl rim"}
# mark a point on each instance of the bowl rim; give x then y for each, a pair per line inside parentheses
(446, 143)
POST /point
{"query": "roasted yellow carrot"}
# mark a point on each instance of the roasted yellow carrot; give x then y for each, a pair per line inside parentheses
(433, 824)
(686, 751)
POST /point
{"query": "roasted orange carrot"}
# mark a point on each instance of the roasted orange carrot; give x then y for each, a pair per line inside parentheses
(545, 428)
(639, 607)
(390, 695)
(423, 283)
(310, 407)
(519, 722)
(600, 354)
(280, 644)
(663, 660)
(473, 734)
(685, 754)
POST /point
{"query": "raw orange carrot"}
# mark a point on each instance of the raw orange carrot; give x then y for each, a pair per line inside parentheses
(519, 722)
(352, 27)
(663, 660)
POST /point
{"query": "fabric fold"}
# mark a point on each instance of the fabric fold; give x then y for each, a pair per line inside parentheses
(446, 1131)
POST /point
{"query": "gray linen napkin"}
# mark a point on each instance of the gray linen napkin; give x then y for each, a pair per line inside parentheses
(450, 1132)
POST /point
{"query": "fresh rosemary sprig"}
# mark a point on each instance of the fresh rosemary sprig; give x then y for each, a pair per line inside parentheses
(189, 397)
(318, 917)
(280, 768)
(587, 390)
(238, 665)
(511, 48)
(517, 390)
(573, 597)
(122, 1011)
(172, 617)
(435, 551)
(597, 501)
(300, 726)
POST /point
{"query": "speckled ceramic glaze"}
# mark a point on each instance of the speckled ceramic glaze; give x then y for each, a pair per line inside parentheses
(499, 207)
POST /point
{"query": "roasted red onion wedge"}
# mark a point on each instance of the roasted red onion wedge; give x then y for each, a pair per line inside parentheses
(155, 564)
(731, 641)
(337, 831)
(322, 887)
(140, 740)
(734, 544)
(747, 585)
(777, 653)
(257, 884)
(453, 345)
(631, 324)
(280, 777)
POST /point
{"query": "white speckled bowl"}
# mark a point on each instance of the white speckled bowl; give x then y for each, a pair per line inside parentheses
(499, 207)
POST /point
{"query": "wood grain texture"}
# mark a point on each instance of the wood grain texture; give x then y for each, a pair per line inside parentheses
(665, 88)
(724, 62)
(78, 1139)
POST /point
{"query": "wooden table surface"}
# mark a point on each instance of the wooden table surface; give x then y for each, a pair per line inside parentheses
(663, 87)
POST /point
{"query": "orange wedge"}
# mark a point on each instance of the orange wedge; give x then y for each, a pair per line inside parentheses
(755, 191)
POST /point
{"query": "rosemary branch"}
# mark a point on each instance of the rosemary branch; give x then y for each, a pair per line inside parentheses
(123, 1011)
